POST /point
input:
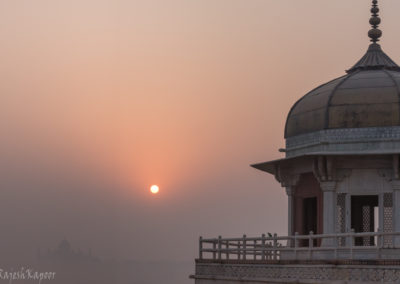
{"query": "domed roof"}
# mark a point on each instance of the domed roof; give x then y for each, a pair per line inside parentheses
(368, 96)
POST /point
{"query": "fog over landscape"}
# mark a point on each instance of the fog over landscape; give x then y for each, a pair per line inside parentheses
(101, 99)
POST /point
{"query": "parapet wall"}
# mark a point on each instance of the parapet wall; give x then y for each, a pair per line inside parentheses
(244, 272)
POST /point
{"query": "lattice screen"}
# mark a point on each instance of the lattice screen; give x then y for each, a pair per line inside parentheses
(366, 223)
(341, 216)
(388, 218)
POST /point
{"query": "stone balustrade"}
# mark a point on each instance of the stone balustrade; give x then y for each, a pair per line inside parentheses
(302, 247)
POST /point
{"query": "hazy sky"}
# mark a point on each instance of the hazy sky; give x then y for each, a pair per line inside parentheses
(100, 99)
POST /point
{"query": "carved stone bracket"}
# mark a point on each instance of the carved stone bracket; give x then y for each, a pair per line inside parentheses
(323, 168)
(341, 174)
(290, 181)
(386, 174)
(285, 178)
(290, 190)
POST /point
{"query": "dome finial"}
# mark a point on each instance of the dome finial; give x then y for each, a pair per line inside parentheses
(375, 33)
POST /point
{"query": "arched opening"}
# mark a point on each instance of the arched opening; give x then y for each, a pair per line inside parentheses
(363, 217)
(307, 211)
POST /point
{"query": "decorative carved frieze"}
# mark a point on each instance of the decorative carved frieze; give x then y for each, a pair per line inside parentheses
(344, 135)
(346, 140)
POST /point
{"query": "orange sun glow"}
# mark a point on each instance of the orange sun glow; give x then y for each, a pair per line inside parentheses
(154, 189)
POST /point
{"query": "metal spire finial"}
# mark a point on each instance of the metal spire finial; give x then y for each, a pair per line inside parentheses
(375, 33)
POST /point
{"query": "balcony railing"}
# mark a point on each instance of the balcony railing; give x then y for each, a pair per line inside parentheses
(371, 245)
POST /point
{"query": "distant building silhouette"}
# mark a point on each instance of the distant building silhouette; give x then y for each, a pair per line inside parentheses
(65, 252)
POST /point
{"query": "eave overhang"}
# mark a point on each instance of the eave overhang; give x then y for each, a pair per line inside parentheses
(272, 166)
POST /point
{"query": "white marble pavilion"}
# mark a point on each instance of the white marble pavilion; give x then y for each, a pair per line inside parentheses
(341, 172)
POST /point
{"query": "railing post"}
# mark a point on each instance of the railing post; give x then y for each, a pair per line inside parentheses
(255, 250)
(244, 247)
(219, 247)
(336, 240)
(336, 243)
(352, 241)
(296, 244)
(263, 246)
(227, 250)
(380, 242)
(238, 250)
(275, 252)
(214, 249)
(201, 247)
(310, 244)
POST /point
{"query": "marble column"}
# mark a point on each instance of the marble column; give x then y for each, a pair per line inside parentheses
(290, 193)
(396, 209)
(329, 210)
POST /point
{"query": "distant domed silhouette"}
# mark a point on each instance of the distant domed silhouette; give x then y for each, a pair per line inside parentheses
(65, 252)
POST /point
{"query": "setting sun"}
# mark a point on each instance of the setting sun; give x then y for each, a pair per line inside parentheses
(154, 189)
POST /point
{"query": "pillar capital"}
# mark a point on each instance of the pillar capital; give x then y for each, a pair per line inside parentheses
(327, 186)
(289, 190)
(395, 184)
